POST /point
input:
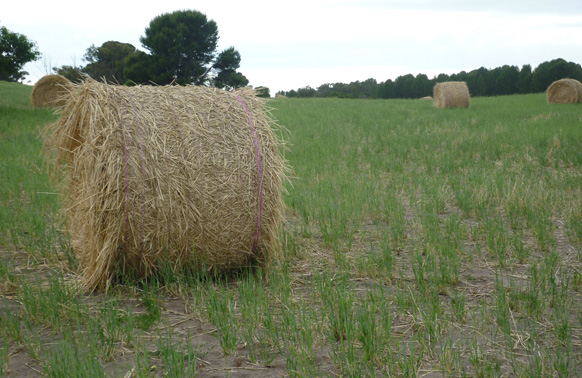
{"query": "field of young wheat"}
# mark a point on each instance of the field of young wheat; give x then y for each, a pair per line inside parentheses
(418, 242)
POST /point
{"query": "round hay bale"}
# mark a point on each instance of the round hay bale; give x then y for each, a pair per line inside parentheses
(50, 91)
(564, 91)
(426, 98)
(451, 94)
(167, 176)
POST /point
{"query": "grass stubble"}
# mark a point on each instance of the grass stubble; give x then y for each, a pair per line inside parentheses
(418, 242)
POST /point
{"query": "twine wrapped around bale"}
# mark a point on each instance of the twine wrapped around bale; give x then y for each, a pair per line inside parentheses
(451, 94)
(167, 175)
(564, 91)
(50, 91)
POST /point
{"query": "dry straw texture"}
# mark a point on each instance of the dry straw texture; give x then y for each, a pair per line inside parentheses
(564, 91)
(173, 176)
(50, 91)
(451, 94)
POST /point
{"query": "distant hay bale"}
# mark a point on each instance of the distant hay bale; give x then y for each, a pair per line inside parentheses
(451, 94)
(426, 98)
(278, 95)
(50, 91)
(167, 176)
(564, 91)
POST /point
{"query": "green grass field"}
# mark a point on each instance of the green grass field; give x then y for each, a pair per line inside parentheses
(419, 242)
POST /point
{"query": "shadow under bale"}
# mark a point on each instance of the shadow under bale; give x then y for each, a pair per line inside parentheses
(181, 176)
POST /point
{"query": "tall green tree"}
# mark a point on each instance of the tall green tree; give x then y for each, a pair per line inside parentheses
(442, 78)
(367, 88)
(524, 79)
(15, 51)
(138, 68)
(386, 89)
(324, 90)
(505, 80)
(182, 44)
(478, 81)
(182, 49)
(404, 86)
(224, 70)
(108, 61)
(422, 86)
(306, 92)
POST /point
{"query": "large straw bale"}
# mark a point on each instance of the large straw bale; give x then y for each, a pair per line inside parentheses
(50, 91)
(564, 91)
(179, 176)
(451, 94)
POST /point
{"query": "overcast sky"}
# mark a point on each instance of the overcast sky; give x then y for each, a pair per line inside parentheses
(287, 45)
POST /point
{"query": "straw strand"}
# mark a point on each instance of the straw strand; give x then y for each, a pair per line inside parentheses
(259, 170)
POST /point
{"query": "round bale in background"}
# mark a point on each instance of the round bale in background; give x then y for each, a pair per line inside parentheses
(564, 91)
(451, 94)
(167, 176)
(50, 91)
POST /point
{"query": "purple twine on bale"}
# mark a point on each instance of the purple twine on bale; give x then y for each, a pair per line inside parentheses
(143, 168)
(259, 169)
(125, 154)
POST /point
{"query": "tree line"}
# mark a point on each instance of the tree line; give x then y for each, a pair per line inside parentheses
(181, 48)
(503, 80)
